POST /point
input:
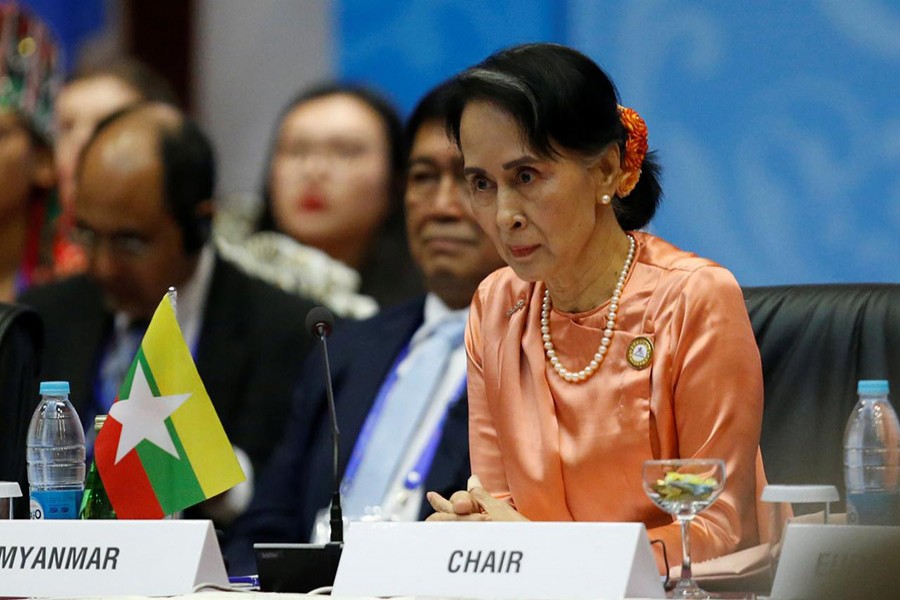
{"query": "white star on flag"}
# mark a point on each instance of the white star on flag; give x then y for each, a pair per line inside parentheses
(143, 416)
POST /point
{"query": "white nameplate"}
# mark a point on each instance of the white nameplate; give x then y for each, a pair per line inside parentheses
(552, 561)
(96, 558)
(838, 561)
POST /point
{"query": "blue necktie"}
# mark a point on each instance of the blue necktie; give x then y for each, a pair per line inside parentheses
(403, 410)
(114, 365)
(116, 362)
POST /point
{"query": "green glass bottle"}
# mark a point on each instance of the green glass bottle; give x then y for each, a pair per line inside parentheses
(95, 503)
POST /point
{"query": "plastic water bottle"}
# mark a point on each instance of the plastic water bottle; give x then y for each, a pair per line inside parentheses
(55, 455)
(872, 458)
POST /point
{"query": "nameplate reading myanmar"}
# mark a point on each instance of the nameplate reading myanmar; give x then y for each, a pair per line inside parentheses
(552, 561)
(97, 558)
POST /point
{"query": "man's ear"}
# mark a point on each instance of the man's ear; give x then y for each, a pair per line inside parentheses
(43, 168)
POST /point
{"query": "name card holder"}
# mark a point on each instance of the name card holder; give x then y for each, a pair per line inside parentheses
(838, 561)
(551, 561)
(66, 559)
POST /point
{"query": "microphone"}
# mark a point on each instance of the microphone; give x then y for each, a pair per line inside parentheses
(307, 567)
(320, 323)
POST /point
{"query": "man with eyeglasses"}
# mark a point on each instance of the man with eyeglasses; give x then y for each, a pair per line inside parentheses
(142, 214)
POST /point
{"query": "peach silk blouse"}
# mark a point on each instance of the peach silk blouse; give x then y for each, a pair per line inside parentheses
(560, 451)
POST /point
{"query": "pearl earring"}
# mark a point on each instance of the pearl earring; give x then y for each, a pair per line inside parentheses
(605, 199)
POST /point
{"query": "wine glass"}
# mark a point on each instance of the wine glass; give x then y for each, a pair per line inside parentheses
(684, 487)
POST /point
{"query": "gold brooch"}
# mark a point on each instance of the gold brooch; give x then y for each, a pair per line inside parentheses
(517, 306)
(640, 353)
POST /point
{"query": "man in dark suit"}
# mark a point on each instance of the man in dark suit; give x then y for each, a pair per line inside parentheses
(143, 211)
(370, 360)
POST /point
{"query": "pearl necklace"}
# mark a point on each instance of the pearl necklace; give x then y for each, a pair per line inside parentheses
(588, 371)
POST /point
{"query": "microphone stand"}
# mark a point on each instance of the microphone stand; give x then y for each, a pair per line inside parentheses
(305, 567)
(320, 322)
(337, 515)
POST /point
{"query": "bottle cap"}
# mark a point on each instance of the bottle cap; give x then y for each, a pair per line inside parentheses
(872, 386)
(54, 388)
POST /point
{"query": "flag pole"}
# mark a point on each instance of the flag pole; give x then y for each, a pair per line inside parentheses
(172, 293)
(173, 299)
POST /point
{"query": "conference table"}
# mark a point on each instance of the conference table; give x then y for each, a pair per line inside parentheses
(240, 594)
(802, 560)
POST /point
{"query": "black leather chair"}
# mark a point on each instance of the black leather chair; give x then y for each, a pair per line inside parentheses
(816, 342)
(21, 341)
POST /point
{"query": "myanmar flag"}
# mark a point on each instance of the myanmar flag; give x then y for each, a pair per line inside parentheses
(162, 447)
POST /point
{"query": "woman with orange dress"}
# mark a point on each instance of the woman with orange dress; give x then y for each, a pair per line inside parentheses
(600, 346)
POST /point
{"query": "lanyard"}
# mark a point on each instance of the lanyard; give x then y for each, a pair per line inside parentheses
(420, 468)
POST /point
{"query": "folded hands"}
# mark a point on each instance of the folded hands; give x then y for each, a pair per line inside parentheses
(474, 504)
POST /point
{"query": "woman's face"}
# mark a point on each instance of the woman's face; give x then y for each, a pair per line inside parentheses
(23, 166)
(330, 180)
(542, 214)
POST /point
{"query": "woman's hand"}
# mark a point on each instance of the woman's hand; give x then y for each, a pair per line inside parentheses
(460, 507)
(476, 504)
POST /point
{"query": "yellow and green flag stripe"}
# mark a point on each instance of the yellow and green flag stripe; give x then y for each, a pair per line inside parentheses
(148, 482)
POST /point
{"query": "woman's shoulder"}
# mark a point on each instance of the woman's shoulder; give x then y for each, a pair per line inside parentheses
(666, 256)
(680, 268)
(686, 277)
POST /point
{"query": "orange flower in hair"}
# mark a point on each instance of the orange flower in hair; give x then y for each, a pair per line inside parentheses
(635, 150)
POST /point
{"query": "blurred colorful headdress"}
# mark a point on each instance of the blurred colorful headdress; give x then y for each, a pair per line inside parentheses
(30, 66)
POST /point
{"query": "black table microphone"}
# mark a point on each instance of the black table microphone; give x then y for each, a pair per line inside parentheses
(320, 322)
(306, 567)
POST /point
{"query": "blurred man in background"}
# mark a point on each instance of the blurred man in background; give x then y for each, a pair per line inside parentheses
(83, 102)
(142, 212)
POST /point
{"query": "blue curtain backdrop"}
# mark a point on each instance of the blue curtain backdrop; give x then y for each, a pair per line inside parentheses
(777, 123)
(72, 20)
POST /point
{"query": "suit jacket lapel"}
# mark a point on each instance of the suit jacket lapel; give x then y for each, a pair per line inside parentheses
(220, 341)
(451, 467)
(88, 333)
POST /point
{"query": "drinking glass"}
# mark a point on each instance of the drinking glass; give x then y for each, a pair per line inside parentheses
(682, 488)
